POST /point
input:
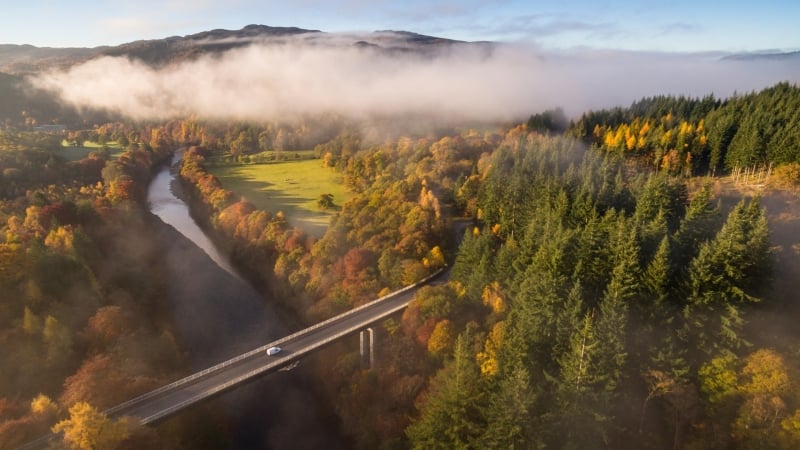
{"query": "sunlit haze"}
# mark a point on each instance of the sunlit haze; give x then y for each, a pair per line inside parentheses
(265, 81)
(681, 25)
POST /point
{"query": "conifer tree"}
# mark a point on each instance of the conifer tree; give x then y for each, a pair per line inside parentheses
(508, 414)
(657, 276)
(451, 412)
(698, 225)
(580, 409)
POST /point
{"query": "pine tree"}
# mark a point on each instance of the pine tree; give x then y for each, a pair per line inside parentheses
(657, 277)
(732, 266)
(508, 415)
(698, 225)
(473, 265)
(451, 413)
(580, 414)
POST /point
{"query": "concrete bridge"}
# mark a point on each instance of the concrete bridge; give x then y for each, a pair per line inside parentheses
(170, 399)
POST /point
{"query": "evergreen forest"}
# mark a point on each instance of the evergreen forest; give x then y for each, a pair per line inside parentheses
(609, 278)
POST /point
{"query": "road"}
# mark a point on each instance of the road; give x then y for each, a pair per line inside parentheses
(169, 399)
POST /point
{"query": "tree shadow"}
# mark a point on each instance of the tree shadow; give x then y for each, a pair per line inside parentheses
(268, 197)
(774, 321)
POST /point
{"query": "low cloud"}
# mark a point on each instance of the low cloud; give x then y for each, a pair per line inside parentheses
(464, 82)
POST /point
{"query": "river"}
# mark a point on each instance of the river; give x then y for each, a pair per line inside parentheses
(173, 211)
(217, 315)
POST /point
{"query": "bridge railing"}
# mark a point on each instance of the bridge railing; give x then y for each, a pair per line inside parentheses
(263, 348)
(295, 355)
(352, 311)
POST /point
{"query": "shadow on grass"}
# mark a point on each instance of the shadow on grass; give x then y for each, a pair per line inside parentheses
(269, 197)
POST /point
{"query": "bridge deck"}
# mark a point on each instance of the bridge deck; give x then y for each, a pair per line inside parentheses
(169, 399)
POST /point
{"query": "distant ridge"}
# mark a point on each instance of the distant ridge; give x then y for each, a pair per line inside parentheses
(25, 59)
(178, 48)
(762, 56)
(21, 59)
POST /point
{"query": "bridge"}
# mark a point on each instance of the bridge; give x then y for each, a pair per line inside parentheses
(169, 399)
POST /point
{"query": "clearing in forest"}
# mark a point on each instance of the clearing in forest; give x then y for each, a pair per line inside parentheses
(293, 187)
(72, 153)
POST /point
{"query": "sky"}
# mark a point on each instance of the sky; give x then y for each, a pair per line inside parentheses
(638, 25)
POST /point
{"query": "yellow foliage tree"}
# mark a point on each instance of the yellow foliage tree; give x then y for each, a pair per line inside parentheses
(435, 258)
(764, 382)
(790, 431)
(496, 229)
(43, 406)
(60, 239)
(630, 142)
(442, 337)
(487, 359)
(645, 129)
(89, 429)
(765, 373)
(31, 323)
(493, 298)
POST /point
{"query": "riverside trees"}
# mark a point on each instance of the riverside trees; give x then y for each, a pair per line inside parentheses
(79, 290)
(590, 299)
(590, 305)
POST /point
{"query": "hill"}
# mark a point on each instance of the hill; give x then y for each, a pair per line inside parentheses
(773, 56)
(25, 59)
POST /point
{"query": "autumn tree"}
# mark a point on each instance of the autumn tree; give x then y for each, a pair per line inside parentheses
(325, 201)
(765, 385)
(89, 429)
(451, 411)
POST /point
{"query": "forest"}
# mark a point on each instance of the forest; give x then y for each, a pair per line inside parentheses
(83, 327)
(600, 291)
(692, 136)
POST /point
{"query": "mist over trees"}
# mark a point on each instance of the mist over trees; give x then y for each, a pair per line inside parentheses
(449, 82)
(697, 136)
(611, 302)
(598, 298)
(81, 293)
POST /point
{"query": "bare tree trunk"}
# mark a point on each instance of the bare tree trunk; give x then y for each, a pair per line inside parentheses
(641, 414)
(676, 437)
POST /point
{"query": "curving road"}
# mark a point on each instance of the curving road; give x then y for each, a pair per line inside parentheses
(169, 399)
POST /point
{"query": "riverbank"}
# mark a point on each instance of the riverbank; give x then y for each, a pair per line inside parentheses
(217, 315)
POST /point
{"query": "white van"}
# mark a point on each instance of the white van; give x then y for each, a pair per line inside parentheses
(272, 351)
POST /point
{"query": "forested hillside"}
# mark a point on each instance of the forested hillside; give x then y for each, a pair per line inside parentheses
(598, 296)
(82, 322)
(614, 311)
(698, 136)
(595, 301)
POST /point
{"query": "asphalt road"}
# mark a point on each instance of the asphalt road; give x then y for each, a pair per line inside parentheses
(169, 399)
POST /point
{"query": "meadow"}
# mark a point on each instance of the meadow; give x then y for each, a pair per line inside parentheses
(71, 153)
(293, 187)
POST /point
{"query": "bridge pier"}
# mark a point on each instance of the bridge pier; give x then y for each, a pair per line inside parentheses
(364, 344)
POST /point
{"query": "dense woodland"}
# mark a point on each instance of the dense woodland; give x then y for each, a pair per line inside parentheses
(598, 296)
(82, 322)
(692, 136)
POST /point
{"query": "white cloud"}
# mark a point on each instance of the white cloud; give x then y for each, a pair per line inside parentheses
(268, 82)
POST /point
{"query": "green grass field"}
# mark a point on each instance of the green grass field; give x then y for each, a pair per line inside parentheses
(292, 187)
(71, 153)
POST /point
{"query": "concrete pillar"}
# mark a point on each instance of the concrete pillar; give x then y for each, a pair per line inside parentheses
(371, 348)
(363, 344)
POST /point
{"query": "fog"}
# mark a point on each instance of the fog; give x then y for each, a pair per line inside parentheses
(269, 81)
